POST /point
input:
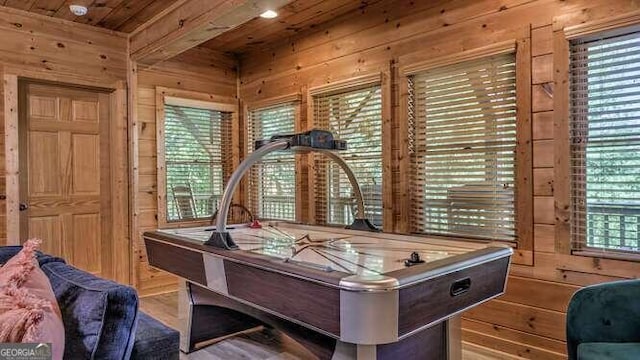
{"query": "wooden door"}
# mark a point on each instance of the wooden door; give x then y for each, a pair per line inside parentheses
(64, 173)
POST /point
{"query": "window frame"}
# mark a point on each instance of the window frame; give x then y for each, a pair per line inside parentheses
(167, 96)
(296, 101)
(382, 79)
(562, 37)
(414, 63)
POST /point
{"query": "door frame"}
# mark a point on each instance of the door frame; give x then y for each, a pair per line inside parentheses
(121, 249)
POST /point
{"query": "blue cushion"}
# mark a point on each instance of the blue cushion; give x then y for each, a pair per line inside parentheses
(99, 315)
(155, 340)
(7, 252)
(608, 351)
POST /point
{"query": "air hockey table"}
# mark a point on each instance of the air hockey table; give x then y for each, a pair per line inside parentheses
(341, 294)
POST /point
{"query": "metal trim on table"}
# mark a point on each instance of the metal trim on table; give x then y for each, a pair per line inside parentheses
(369, 318)
(215, 273)
(372, 283)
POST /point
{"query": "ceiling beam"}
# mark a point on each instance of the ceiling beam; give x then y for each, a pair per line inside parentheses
(190, 23)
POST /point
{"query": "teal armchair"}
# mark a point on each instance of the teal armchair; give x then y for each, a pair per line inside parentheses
(603, 322)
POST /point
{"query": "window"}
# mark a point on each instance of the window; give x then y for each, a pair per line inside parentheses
(272, 185)
(197, 150)
(355, 116)
(462, 145)
(605, 142)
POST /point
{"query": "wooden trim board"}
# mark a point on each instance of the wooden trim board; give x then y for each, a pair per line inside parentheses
(416, 66)
(12, 159)
(275, 101)
(524, 154)
(346, 84)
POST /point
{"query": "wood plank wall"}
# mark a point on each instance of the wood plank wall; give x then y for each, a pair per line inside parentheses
(529, 320)
(201, 70)
(3, 202)
(43, 48)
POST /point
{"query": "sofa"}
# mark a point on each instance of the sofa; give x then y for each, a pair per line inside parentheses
(603, 322)
(101, 318)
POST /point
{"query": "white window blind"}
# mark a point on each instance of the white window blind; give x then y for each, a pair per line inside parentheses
(355, 116)
(605, 142)
(272, 184)
(197, 145)
(462, 144)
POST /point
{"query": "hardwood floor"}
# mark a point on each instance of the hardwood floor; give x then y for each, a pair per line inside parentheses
(262, 343)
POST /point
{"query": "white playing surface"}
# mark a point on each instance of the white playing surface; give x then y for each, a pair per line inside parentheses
(328, 248)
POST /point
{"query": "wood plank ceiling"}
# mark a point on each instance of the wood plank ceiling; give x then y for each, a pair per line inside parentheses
(294, 18)
(127, 15)
(120, 15)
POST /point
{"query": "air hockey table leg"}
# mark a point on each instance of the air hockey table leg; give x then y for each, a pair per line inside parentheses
(346, 351)
(185, 314)
(454, 338)
(201, 322)
(366, 352)
(207, 316)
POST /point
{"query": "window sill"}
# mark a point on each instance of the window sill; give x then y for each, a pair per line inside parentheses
(183, 224)
(608, 254)
(511, 244)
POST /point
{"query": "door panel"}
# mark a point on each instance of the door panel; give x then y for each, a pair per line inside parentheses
(47, 227)
(65, 181)
(86, 111)
(85, 155)
(86, 242)
(41, 107)
(44, 168)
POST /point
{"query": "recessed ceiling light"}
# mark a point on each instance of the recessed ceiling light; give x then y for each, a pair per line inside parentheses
(269, 14)
(78, 10)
